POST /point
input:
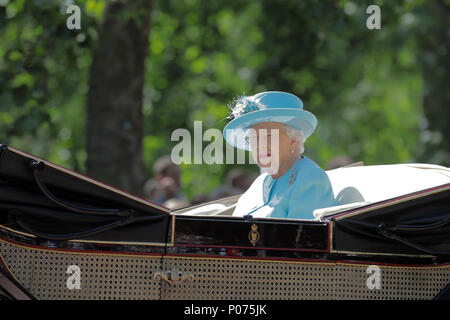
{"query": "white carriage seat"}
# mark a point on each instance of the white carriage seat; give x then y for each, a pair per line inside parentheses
(355, 187)
(358, 186)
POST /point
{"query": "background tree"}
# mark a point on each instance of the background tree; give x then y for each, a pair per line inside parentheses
(434, 42)
(381, 96)
(114, 128)
(43, 78)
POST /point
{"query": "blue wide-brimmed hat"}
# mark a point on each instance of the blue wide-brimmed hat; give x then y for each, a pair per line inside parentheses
(270, 106)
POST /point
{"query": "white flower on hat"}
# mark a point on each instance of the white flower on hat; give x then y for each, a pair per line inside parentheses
(243, 105)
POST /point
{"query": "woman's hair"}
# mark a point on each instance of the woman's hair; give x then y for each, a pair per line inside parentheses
(298, 135)
(292, 133)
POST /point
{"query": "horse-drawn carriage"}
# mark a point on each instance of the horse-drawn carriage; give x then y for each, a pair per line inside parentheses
(66, 236)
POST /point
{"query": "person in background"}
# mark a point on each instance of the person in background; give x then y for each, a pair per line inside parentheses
(151, 189)
(166, 184)
(200, 198)
(239, 179)
(237, 182)
(175, 204)
(338, 162)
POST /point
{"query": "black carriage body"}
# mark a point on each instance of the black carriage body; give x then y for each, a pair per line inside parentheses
(153, 253)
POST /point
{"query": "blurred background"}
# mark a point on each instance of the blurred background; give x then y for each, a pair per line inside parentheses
(104, 99)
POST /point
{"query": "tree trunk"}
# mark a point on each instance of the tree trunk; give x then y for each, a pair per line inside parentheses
(114, 111)
(435, 61)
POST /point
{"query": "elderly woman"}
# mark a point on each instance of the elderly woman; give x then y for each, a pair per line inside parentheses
(274, 127)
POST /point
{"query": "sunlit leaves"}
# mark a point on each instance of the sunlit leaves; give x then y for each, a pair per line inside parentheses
(366, 87)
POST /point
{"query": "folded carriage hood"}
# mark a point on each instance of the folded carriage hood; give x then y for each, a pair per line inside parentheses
(404, 209)
(38, 195)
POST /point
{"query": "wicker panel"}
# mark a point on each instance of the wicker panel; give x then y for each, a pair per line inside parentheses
(244, 279)
(44, 274)
(19, 261)
(396, 282)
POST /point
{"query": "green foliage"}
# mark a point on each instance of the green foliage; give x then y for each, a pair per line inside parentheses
(43, 78)
(365, 86)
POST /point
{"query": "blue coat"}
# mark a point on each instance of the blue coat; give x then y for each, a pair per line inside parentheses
(296, 194)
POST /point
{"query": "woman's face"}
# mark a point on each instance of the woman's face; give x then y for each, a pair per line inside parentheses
(271, 146)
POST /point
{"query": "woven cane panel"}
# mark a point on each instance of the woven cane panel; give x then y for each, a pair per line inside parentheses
(234, 279)
(16, 256)
(44, 274)
(396, 283)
